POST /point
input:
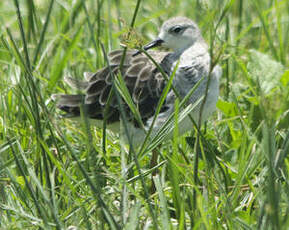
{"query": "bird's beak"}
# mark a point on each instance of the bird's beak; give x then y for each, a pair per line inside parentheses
(152, 44)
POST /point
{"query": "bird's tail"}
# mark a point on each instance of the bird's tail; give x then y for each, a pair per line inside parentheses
(70, 104)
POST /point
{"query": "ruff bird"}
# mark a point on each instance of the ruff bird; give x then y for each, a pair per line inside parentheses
(188, 58)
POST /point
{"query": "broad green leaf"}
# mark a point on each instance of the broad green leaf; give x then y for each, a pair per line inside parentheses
(265, 70)
(285, 78)
(228, 108)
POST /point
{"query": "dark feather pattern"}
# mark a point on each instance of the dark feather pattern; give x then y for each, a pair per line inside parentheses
(142, 78)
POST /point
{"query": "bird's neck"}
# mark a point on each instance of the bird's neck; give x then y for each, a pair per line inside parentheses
(196, 49)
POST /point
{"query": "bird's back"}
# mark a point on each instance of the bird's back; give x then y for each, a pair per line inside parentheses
(142, 78)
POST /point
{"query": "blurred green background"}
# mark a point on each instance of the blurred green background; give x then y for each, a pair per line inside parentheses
(57, 174)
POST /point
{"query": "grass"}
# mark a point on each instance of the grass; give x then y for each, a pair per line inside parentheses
(57, 174)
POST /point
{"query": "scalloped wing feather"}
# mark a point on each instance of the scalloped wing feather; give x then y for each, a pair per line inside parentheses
(143, 80)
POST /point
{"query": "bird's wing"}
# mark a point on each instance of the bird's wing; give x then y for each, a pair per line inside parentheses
(142, 78)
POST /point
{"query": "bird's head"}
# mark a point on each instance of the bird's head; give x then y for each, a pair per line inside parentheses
(177, 34)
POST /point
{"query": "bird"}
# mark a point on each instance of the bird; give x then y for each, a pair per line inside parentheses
(187, 59)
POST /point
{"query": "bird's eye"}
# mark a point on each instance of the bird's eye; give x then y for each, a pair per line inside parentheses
(176, 29)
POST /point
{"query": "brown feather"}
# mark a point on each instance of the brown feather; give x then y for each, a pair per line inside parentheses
(134, 69)
(96, 87)
(145, 73)
(104, 95)
(143, 80)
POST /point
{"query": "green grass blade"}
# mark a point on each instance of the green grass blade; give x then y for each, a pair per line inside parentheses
(43, 32)
(60, 62)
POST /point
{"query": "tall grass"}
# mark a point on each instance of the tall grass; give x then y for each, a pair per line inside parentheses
(232, 173)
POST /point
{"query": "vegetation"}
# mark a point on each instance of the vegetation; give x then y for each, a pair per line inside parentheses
(55, 173)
